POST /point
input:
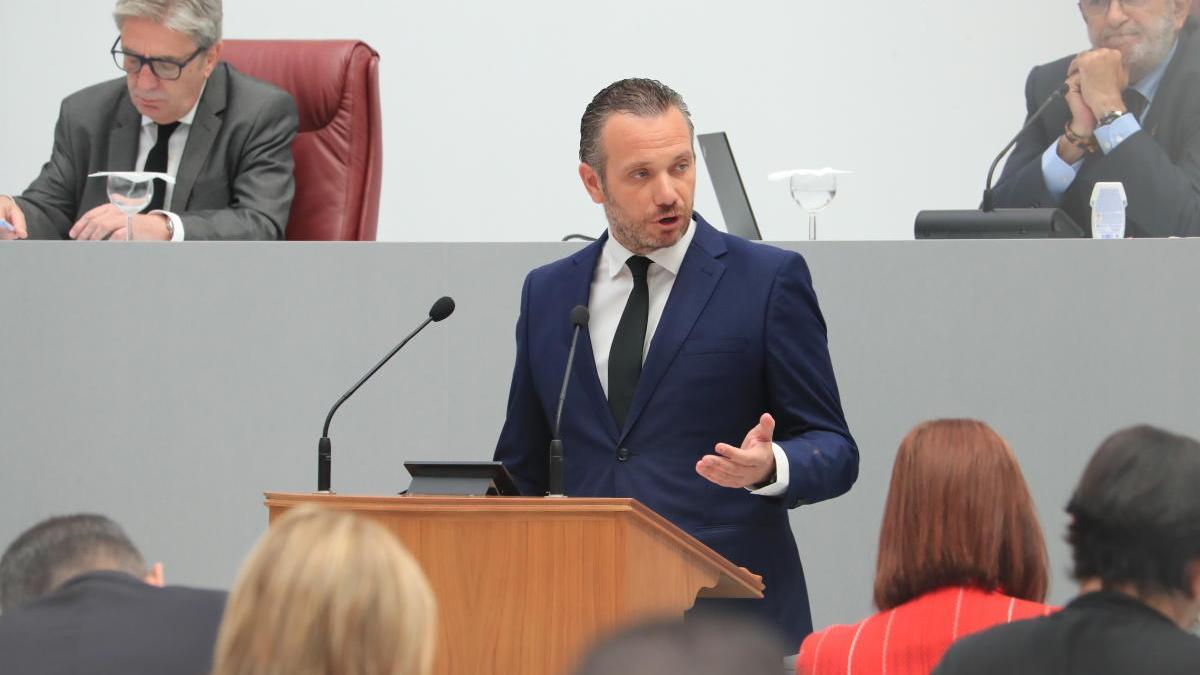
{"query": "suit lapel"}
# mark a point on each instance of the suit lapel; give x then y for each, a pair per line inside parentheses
(579, 289)
(698, 277)
(205, 126)
(123, 138)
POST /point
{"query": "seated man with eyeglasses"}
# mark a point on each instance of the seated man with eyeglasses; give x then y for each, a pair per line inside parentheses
(1131, 114)
(225, 138)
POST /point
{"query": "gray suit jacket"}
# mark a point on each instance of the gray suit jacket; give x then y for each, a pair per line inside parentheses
(234, 181)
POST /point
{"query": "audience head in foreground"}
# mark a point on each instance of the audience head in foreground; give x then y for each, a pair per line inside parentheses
(77, 597)
(960, 550)
(1135, 538)
(708, 644)
(58, 549)
(324, 593)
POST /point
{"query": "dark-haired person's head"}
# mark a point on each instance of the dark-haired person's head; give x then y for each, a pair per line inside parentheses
(1135, 520)
(636, 159)
(958, 513)
(708, 644)
(58, 549)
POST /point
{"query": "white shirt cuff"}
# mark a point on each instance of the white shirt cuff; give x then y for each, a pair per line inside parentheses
(780, 486)
(1058, 174)
(176, 223)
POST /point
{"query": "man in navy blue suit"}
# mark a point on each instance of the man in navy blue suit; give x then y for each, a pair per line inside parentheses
(703, 386)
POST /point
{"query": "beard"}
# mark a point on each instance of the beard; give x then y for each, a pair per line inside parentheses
(642, 239)
(1147, 53)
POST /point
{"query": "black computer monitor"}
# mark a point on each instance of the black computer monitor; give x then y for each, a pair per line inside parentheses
(727, 183)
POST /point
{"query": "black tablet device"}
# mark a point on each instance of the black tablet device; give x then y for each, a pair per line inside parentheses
(460, 478)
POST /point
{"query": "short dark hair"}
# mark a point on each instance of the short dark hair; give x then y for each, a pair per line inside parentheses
(958, 513)
(708, 643)
(51, 552)
(1136, 512)
(637, 96)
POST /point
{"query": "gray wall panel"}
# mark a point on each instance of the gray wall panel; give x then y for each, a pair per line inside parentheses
(168, 386)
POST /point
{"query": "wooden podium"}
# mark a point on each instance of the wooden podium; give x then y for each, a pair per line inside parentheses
(524, 585)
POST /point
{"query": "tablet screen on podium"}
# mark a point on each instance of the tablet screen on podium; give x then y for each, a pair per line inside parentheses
(461, 478)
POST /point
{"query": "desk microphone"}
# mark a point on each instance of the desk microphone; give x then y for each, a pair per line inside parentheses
(988, 200)
(988, 222)
(579, 319)
(440, 310)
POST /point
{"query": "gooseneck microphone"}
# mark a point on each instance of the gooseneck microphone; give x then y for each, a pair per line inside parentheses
(579, 319)
(440, 310)
(988, 201)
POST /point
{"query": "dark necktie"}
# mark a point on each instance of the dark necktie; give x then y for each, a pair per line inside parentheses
(625, 355)
(157, 161)
(1134, 102)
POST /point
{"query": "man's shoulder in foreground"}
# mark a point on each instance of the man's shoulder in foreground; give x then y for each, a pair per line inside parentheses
(1097, 633)
(103, 622)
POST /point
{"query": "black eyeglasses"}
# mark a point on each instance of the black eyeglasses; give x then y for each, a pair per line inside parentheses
(163, 69)
(1098, 7)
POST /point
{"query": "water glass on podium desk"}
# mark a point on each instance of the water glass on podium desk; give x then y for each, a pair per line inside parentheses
(813, 190)
(130, 195)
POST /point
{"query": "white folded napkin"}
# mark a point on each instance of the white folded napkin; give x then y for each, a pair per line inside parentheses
(783, 175)
(138, 176)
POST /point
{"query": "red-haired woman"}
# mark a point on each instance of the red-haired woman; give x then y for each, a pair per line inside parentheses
(960, 550)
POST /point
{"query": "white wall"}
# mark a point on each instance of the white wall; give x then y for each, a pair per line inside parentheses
(482, 99)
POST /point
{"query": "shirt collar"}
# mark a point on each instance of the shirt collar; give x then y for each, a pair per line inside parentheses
(186, 120)
(1148, 85)
(670, 258)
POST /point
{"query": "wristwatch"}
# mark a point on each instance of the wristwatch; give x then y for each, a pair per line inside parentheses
(1110, 117)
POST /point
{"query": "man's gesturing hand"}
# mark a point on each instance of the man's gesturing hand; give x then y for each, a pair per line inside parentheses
(751, 464)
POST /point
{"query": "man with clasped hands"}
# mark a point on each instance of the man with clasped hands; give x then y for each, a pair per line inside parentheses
(1131, 114)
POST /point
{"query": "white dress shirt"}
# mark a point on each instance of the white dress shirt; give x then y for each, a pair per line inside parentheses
(612, 283)
(175, 146)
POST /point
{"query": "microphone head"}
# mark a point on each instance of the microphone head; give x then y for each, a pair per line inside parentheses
(441, 309)
(580, 316)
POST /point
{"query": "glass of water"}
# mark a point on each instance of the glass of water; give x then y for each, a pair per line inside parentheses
(813, 191)
(131, 195)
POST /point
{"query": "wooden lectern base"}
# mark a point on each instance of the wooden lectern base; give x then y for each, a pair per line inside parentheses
(524, 585)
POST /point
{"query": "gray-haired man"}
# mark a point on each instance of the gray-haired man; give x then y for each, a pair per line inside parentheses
(226, 138)
(1131, 114)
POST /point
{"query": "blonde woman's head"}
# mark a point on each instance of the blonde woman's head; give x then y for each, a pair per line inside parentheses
(326, 593)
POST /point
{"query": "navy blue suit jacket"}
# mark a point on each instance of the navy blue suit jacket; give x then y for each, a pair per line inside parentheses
(741, 334)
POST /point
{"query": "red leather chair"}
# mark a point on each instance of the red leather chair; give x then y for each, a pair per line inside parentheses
(339, 148)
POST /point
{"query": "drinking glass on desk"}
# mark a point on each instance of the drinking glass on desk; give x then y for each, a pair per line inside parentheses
(130, 194)
(813, 190)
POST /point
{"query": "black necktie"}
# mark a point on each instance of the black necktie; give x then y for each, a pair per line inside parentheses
(157, 161)
(1134, 102)
(625, 355)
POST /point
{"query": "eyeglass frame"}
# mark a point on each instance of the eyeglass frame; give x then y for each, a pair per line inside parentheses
(144, 61)
(1125, 4)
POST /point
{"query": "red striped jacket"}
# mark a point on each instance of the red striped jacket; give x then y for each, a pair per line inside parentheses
(910, 639)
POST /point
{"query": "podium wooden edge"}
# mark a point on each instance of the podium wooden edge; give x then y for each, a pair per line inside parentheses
(731, 581)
